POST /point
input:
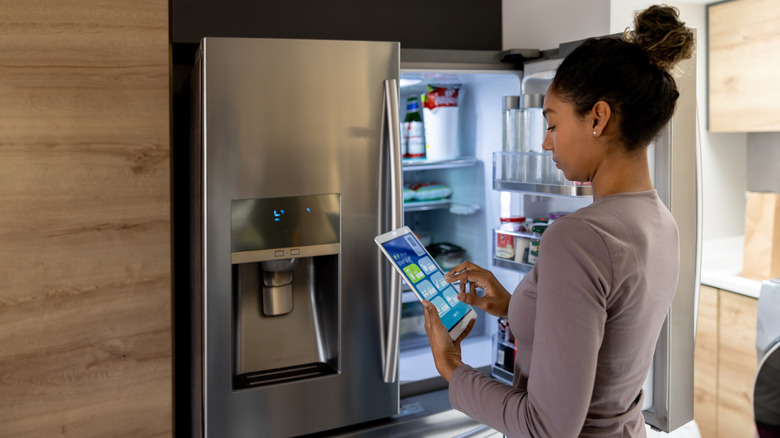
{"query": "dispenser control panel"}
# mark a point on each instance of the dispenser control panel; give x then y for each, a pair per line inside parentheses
(281, 223)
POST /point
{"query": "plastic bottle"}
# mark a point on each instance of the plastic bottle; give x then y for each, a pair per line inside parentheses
(413, 129)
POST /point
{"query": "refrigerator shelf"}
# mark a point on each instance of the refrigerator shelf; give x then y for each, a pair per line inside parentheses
(454, 206)
(418, 164)
(544, 189)
(534, 172)
(511, 264)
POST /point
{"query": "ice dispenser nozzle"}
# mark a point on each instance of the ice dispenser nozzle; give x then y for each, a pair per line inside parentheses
(277, 286)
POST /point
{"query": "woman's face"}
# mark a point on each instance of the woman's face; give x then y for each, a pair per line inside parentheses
(570, 138)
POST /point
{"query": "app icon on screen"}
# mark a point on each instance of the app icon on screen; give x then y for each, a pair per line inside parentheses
(451, 295)
(415, 245)
(438, 279)
(414, 273)
(426, 289)
(441, 306)
(427, 265)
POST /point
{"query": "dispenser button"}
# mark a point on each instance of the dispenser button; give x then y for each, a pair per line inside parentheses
(279, 253)
(295, 252)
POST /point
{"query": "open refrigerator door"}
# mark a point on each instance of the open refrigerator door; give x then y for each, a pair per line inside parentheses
(503, 189)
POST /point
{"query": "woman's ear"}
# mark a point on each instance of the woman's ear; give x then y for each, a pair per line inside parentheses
(600, 114)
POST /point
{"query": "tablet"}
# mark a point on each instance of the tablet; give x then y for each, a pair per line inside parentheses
(425, 277)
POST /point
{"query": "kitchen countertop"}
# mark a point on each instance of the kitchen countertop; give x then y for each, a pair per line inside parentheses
(721, 264)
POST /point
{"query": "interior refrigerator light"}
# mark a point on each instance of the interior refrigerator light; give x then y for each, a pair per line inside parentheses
(409, 82)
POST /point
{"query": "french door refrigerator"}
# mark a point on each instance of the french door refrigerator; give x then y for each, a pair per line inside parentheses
(288, 323)
(298, 325)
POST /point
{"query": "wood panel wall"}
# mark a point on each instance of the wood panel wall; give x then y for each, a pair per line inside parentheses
(85, 272)
(744, 40)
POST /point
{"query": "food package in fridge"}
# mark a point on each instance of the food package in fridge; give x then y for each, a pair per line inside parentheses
(440, 114)
(409, 194)
(429, 191)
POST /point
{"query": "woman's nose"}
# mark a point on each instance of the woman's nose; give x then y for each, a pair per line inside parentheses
(547, 143)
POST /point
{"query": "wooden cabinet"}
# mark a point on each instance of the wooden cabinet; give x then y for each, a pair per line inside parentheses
(725, 364)
(737, 364)
(85, 267)
(705, 364)
(744, 89)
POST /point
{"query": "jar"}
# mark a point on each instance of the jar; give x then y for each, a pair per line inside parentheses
(557, 215)
(533, 252)
(505, 243)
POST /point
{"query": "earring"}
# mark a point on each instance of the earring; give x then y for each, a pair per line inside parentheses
(594, 133)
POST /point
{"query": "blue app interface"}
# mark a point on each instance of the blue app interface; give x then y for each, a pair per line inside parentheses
(426, 277)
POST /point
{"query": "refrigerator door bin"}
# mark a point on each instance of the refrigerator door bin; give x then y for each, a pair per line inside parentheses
(517, 262)
(534, 172)
(502, 368)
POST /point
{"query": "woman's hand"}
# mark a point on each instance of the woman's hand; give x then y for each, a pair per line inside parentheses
(494, 301)
(446, 353)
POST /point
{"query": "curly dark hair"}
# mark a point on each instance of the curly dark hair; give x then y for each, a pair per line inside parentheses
(631, 73)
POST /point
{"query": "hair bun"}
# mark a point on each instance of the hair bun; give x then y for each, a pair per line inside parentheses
(662, 36)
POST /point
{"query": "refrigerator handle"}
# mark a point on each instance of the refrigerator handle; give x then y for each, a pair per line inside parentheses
(391, 217)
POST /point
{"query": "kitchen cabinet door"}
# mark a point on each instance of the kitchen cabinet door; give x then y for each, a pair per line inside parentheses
(705, 368)
(744, 40)
(737, 364)
(85, 232)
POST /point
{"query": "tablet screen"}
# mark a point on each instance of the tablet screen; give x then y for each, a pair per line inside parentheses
(426, 277)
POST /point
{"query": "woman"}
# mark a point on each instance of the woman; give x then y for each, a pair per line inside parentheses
(587, 317)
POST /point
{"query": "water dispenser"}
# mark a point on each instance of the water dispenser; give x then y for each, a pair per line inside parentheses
(285, 279)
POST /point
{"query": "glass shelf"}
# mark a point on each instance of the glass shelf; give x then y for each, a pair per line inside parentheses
(534, 172)
(426, 205)
(415, 164)
(454, 206)
(544, 189)
(511, 264)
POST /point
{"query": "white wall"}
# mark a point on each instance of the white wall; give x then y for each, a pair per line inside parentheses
(545, 24)
(724, 156)
(535, 24)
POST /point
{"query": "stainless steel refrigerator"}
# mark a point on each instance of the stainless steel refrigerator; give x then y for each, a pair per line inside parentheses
(289, 317)
(298, 325)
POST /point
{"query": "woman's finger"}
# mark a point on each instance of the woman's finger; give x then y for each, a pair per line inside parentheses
(465, 266)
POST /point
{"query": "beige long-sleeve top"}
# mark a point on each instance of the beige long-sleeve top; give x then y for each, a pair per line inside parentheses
(586, 320)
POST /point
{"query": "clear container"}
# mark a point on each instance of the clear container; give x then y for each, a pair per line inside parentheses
(512, 168)
(524, 128)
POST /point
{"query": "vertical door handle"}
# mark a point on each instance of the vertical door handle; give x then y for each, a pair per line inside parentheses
(390, 217)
